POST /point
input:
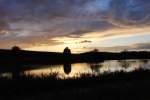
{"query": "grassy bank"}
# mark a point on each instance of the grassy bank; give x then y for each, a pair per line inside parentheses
(118, 85)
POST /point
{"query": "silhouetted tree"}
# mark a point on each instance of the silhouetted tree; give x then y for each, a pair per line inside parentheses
(67, 50)
(124, 51)
(67, 54)
(16, 48)
(95, 50)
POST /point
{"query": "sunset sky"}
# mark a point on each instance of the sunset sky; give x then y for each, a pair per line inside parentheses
(82, 25)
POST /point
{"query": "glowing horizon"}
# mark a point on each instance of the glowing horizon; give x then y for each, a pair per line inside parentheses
(94, 41)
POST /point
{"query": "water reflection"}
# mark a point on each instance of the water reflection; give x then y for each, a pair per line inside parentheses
(67, 68)
(11, 70)
(144, 61)
(95, 67)
(124, 63)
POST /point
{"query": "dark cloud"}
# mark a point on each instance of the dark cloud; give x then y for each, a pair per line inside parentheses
(4, 28)
(86, 41)
(130, 12)
(3, 25)
(141, 46)
(118, 12)
(133, 10)
(54, 18)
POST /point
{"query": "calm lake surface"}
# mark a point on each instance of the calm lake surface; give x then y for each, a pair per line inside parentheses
(75, 70)
(69, 70)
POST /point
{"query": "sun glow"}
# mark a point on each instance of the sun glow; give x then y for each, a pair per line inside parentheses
(97, 40)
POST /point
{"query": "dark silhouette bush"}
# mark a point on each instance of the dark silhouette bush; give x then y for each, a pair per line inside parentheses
(16, 48)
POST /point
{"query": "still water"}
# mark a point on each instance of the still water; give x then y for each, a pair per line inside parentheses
(75, 70)
(69, 70)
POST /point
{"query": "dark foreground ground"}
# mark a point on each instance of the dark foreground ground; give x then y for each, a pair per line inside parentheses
(116, 86)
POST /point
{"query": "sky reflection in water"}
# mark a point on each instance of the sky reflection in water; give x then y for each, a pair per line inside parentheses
(75, 70)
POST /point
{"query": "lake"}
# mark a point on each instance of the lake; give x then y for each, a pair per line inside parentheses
(75, 70)
(69, 70)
